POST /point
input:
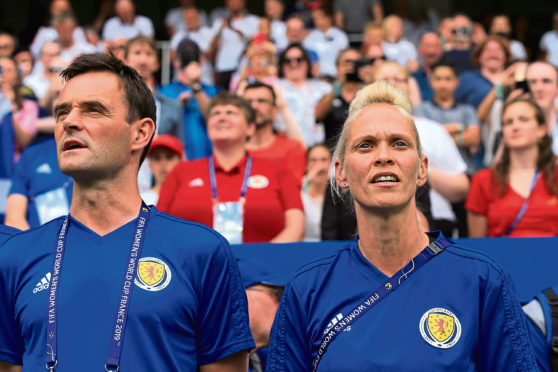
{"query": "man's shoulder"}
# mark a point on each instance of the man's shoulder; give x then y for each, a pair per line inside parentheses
(288, 145)
(32, 241)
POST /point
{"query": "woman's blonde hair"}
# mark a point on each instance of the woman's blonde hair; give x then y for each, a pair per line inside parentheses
(378, 92)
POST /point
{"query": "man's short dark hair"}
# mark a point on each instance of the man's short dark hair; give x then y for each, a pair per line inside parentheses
(226, 98)
(445, 63)
(138, 96)
(258, 84)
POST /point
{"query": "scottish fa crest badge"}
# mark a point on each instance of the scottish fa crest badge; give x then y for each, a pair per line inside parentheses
(153, 274)
(440, 328)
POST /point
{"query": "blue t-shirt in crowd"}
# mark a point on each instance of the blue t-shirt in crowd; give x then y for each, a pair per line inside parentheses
(198, 144)
(6, 232)
(38, 177)
(458, 312)
(473, 88)
(192, 311)
(423, 83)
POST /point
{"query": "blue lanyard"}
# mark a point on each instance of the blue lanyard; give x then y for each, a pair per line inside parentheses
(524, 206)
(213, 179)
(115, 350)
(380, 293)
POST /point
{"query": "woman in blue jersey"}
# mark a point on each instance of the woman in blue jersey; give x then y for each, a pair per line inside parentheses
(395, 298)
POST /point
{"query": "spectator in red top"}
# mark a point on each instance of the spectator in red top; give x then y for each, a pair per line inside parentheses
(265, 143)
(247, 199)
(517, 196)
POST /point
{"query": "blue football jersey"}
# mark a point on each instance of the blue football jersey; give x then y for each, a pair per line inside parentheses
(187, 307)
(38, 177)
(458, 312)
(6, 232)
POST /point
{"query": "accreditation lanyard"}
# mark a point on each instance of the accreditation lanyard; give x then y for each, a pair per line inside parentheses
(524, 206)
(213, 179)
(380, 293)
(115, 350)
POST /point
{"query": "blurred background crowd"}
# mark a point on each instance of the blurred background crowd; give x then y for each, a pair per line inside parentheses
(484, 91)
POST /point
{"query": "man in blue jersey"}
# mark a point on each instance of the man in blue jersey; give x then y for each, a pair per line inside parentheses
(105, 287)
(39, 192)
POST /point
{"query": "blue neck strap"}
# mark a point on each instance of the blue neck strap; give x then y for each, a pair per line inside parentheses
(213, 179)
(115, 350)
(524, 206)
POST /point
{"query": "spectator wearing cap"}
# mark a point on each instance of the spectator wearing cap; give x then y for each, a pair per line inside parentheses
(165, 153)
(194, 95)
(327, 40)
(126, 23)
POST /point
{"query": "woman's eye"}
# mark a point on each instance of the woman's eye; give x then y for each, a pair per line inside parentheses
(400, 143)
(364, 145)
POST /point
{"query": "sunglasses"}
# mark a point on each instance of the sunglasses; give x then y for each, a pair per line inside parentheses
(294, 59)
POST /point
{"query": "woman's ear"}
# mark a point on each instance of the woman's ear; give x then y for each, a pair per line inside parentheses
(340, 175)
(422, 176)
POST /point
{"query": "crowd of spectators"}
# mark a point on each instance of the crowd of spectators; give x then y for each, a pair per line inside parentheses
(256, 103)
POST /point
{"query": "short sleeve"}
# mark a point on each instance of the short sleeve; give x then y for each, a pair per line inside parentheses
(504, 343)
(478, 197)
(289, 188)
(223, 311)
(288, 342)
(11, 342)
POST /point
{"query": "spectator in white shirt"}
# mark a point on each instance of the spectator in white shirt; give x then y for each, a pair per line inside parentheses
(49, 33)
(201, 35)
(327, 41)
(501, 26)
(232, 35)
(396, 47)
(65, 25)
(274, 10)
(126, 23)
(549, 42)
(175, 22)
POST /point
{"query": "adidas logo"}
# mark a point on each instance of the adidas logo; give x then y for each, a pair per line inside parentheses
(44, 168)
(196, 182)
(332, 323)
(43, 284)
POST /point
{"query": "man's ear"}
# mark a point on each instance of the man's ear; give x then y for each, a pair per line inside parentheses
(141, 134)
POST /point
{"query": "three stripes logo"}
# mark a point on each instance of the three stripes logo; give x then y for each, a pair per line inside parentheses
(43, 284)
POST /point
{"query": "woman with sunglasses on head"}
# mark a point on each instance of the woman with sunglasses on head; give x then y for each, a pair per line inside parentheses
(517, 196)
(308, 99)
(395, 298)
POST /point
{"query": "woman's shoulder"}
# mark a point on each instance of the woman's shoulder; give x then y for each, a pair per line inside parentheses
(483, 175)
